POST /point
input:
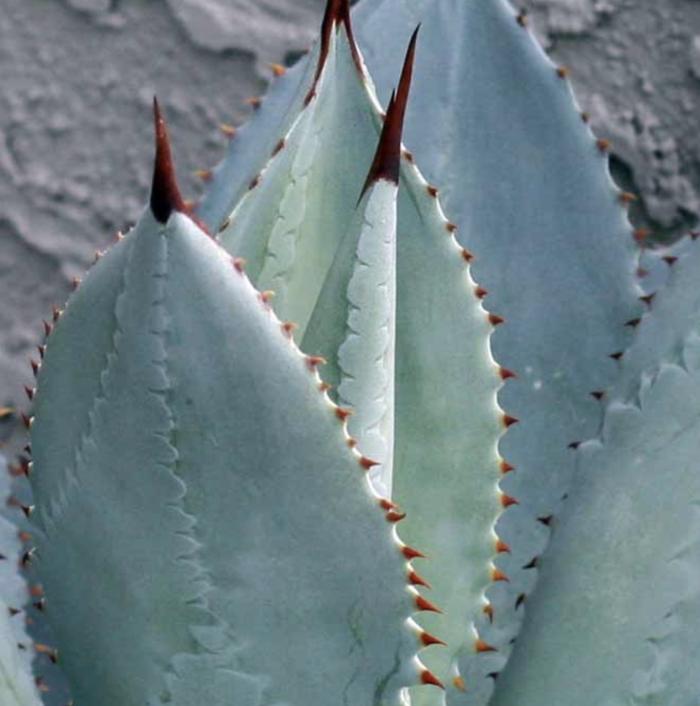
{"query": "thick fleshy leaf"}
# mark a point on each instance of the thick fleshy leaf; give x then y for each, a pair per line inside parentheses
(17, 686)
(365, 353)
(614, 618)
(447, 422)
(495, 126)
(210, 500)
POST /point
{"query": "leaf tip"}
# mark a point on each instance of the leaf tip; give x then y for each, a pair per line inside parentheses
(165, 192)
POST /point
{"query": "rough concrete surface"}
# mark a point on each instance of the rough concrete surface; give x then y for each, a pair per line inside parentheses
(77, 78)
(77, 81)
(635, 66)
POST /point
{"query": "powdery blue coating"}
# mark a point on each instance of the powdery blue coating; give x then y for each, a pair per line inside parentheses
(495, 127)
(614, 619)
(230, 539)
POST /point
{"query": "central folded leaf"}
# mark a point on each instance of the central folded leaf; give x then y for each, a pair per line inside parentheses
(379, 288)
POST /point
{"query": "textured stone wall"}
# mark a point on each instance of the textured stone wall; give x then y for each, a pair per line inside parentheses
(636, 68)
(78, 77)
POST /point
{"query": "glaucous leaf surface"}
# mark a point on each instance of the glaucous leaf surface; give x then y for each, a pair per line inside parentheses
(232, 544)
(17, 686)
(614, 618)
(304, 236)
(494, 125)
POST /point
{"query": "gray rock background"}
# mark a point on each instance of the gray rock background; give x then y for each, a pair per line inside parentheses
(77, 79)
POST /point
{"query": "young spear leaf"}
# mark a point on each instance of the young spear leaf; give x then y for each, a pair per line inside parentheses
(446, 421)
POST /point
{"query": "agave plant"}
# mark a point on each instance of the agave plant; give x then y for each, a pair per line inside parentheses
(280, 446)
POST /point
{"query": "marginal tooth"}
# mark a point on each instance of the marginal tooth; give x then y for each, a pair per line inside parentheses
(427, 677)
(29, 391)
(467, 256)
(267, 296)
(75, 283)
(427, 639)
(508, 421)
(532, 564)
(239, 264)
(498, 575)
(351, 442)
(648, 299)
(387, 504)
(368, 463)
(255, 183)
(325, 386)
(411, 553)
(507, 500)
(496, 320)
(670, 259)
(506, 467)
(288, 328)
(633, 323)
(574, 445)
(42, 351)
(598, 394)
(481, 646)
(50, 652)
(27, 421)
(56, 314)
(488, 611)
(502, 547)
(35, 367)
(27, 510)
(586, 117)
(417, 580)
(432, 191)
(459, 683)
(522, 18)
(506, 374)
(546, 521)
(393, 516)
(314, 361)
(627, 198)
(279, 147)
(603, 145)
(425, 605)
(343, 413)
(278, 70)
(228, 130)
(520, 600)
(254, 102)
(27, 557)
(451, 227)
(480, 292)
(204, 174)
(563, 71)
(47, 328)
